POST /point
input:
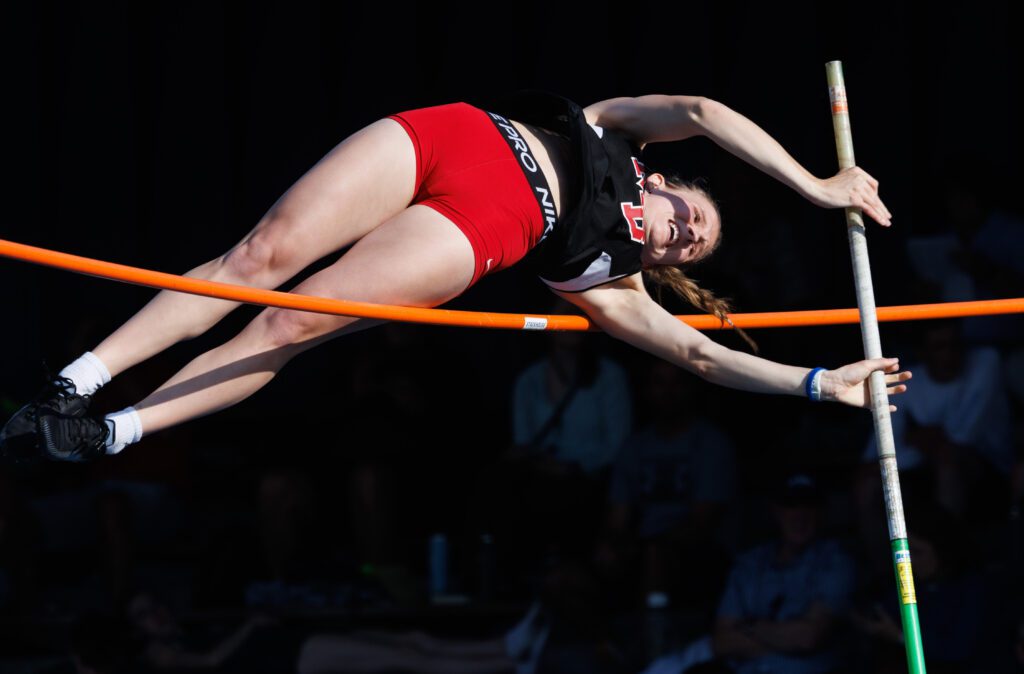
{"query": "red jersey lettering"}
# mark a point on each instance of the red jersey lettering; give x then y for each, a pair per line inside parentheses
(634, 213)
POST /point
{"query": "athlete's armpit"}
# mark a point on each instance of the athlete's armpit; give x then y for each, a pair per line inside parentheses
(602, 298)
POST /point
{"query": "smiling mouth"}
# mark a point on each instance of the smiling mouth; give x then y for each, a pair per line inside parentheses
(674, 234)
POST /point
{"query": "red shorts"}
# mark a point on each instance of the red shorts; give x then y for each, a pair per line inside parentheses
(466, 171)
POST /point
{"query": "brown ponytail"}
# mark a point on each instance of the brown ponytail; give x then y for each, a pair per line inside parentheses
(665, 276)
(686, 288)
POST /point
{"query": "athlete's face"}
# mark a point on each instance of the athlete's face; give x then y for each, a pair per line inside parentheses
(681, 224)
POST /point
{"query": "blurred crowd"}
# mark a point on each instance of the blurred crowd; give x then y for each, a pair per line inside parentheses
(553, 503)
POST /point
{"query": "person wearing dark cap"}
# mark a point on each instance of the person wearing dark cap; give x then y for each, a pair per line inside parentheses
(782, 598)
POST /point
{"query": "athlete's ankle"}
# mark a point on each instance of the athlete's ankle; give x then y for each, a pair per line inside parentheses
(125, 429)
(87, 373)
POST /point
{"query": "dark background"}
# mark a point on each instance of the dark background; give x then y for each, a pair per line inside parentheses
(157, 134)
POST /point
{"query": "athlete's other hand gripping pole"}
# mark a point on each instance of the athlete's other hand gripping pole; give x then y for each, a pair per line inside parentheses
(879, 399)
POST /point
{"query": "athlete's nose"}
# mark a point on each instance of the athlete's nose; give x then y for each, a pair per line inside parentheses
(687, 214)
(691, 233)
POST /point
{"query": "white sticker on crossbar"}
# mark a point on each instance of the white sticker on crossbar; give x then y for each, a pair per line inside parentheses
(534, 323)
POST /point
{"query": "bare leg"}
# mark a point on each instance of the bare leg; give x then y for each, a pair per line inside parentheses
(365, 180)
(417, 258)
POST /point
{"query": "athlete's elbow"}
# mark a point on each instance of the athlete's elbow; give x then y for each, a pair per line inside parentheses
(700, 359)
(701, 109)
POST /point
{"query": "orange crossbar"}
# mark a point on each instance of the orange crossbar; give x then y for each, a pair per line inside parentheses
(476, 319)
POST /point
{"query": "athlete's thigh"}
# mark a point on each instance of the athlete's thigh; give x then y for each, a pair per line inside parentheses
(365, 180)
(418, 258)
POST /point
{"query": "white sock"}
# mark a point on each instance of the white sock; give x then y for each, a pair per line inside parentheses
(125, 428)
(88, 374)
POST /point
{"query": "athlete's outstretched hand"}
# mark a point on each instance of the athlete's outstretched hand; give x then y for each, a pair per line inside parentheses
(853, 187)
(849, 384)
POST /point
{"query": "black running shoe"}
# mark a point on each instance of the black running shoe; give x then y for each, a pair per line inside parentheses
(18, 438)
(68, 438)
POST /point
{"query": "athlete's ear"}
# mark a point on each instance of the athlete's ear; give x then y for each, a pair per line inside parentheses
(654, 181)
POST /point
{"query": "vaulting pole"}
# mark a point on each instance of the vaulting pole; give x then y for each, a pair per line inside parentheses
(879, 398)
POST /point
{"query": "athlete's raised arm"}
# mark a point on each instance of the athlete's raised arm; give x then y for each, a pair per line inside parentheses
(661, 118)
(625, 311)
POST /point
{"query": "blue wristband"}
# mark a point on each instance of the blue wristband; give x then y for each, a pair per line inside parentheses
(808, 384)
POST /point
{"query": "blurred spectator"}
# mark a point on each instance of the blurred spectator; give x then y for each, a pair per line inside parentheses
(771, 258)
(670, 488)
(402, 651)
(571, 410)
(573, 406)
(981, 253)
(696, 658)
(517, 651)
(383, 462)
(403, 447)
(953, 424)
(166, 645)
(567, 630)
(583, 638)
(294, 569)
(950, 598)
(274, 552)
(102, 525)
(783, 598)
(287, 522)
(991, 241)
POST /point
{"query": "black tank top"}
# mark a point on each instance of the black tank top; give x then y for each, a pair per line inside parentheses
(600, 237)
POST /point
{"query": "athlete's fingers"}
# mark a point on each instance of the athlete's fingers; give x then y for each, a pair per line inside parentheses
(870, 208)
(898, 377)
(883, 364)
(871, 180)
(877, 211)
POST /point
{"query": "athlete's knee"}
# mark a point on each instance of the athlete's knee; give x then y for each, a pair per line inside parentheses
(265, 255)
(284, 327)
